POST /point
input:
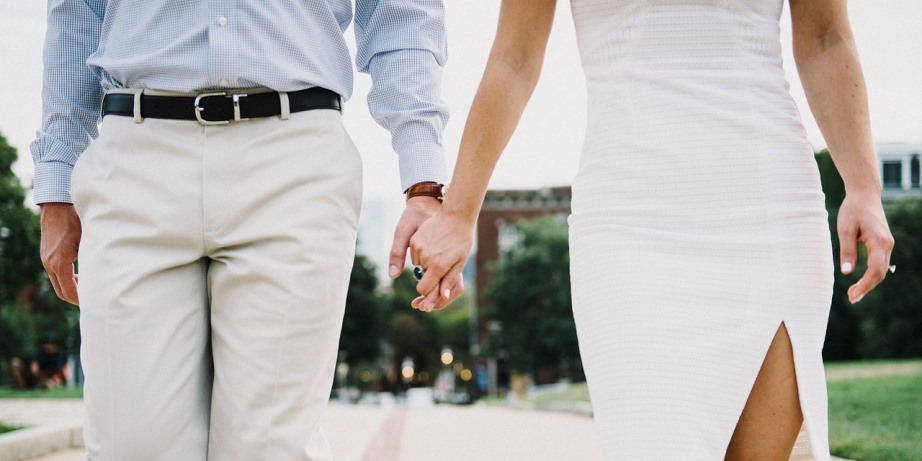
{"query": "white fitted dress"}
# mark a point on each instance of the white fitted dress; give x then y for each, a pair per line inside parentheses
(698, 225)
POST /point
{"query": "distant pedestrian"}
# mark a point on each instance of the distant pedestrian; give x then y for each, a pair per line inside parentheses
(46, 370)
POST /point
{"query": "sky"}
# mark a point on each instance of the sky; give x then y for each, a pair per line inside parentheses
(545, 149)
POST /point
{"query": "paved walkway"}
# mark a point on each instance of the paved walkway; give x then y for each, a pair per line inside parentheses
(362, 432)
(395, 433)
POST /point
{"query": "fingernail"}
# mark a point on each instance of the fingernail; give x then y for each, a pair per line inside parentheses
(447, 293)
(858, 299)
(430, 306)
(393, 271)
(847, 268)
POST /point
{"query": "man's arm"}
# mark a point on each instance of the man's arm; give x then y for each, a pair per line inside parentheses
(71, 97)
(402, 44)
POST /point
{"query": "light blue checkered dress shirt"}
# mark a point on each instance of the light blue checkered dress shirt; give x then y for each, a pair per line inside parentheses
(286, 45)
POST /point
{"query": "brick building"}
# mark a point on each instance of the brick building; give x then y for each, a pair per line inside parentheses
(496, 233)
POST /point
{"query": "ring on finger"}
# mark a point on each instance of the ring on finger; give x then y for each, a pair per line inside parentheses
(418, 272)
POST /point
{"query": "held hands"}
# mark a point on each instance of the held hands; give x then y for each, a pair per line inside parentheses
(441, 246)
(861, 219)
(60, 239)
(423, 231)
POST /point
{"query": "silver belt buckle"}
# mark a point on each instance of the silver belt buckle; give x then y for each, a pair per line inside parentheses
(199, 109)
(236, 99)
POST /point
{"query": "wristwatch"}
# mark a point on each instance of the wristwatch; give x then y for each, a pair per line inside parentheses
(426, 189)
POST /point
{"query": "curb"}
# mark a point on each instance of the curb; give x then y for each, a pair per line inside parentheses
(576, 408)
(33, 442)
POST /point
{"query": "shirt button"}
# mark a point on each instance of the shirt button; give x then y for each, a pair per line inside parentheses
(222, 20)
(223, 82)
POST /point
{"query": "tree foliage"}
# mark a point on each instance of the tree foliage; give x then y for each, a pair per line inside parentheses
(842, 330)
(28, 307)
(381, 327)
(363, 323)
(891, 315)
(885, 324)
(411, 333)
(530, 296)
(20, 265)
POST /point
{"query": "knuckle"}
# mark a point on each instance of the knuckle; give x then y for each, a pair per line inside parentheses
(437, 266)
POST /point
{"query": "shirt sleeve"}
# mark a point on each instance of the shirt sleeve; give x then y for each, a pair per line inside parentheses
(71, 95)
(402, 45)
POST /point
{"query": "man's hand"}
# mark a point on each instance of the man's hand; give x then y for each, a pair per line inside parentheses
(60, 239)
(418, 210)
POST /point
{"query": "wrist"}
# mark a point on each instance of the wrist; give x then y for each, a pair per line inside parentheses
(425, 189)
(461, 219)
(864, 188)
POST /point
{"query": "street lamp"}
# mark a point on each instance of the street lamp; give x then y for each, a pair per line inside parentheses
(406, 369)
(4, 233)
(447, 356)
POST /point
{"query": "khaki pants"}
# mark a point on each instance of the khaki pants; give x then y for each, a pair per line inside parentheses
(213, 271)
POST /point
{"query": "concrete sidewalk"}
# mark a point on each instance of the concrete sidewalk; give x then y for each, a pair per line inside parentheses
(356, 433)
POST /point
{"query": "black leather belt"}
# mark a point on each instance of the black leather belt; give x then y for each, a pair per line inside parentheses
(218, 107)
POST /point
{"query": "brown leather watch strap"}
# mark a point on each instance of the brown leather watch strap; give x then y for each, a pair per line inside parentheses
(426, 189)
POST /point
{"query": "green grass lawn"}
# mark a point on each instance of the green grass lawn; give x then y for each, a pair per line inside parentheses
(577, 392)
(6, 428)
(875, 409)
(57, 393)
(876, 418)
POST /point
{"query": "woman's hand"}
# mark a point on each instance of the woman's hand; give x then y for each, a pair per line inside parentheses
(861, 219)
(441, 246)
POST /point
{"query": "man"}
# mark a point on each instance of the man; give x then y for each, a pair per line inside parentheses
(47, 369)
(216, 211)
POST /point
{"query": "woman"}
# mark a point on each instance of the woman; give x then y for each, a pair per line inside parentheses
(701, 260)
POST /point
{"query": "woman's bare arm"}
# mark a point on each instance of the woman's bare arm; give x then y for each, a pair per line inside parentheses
(443, 243)
(827, 59)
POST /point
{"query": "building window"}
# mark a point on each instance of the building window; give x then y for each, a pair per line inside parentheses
(914, 172)
(893, 174)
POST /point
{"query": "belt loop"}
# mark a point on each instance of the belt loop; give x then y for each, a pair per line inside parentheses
(137, 105)
(286, 108)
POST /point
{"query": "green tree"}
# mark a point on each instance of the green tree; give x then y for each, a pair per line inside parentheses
(363, 323)
(530, 297)
(842, 332)
(891, 315)
(19, 231)
(885, 324)
(411, 333)
(454, 325)
(28, 307)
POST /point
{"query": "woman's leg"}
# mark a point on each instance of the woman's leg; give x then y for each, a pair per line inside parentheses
(772, 417)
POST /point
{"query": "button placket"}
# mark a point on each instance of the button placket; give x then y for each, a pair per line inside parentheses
(222, 50)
